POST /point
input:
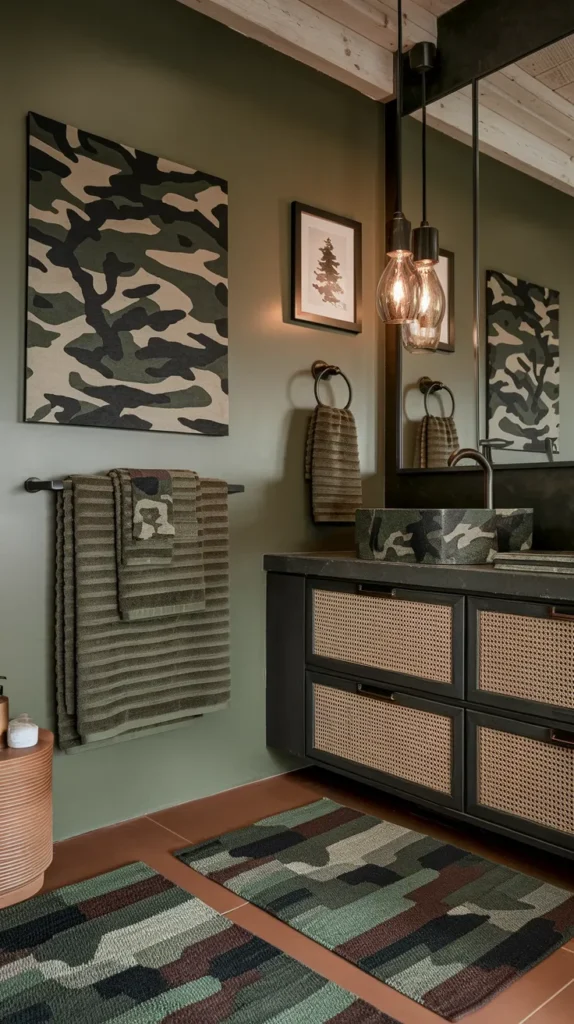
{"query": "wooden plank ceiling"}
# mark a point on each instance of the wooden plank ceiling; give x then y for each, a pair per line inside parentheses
(527, 110)
(554, 67)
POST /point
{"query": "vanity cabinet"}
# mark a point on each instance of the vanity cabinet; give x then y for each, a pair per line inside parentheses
(447, 696)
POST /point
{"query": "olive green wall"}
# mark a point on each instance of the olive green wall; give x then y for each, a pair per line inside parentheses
(155, 75)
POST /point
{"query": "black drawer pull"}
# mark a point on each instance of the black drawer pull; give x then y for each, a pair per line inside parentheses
(562, 739)
(373, 591)
(555, 613)
(370, 691)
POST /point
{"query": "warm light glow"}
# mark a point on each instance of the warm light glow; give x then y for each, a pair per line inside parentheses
(424, 332)
(398, 289)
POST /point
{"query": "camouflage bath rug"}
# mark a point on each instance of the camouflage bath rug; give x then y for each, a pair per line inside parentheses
(447, 928)
(131, 947)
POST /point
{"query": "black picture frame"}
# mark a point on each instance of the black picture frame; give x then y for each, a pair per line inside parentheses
(449, 316)
(298, 313)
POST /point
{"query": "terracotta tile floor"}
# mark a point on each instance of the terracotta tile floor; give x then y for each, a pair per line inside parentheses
(543, 996)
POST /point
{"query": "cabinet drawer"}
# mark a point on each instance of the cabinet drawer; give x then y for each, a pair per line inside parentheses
(522, 776)
(397, 636)
(413, 745)
(521, 657)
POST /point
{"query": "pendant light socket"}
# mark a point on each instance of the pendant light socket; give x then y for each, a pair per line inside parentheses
(425, 244)
(422, 57)
(399, 234)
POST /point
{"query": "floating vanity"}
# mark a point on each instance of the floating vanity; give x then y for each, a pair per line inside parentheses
(451, 686)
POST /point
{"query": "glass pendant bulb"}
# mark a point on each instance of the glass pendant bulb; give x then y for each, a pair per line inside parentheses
(424, 332)
(398, 289)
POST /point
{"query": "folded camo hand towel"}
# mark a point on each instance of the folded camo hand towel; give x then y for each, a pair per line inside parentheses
(156, 550)
(332, 465)
(172, 587)
(152, 503)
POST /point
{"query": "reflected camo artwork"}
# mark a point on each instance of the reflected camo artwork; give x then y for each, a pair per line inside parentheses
(127, 287)
(523, 363)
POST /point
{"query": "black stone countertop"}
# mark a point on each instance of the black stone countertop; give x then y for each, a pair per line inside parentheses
(471, 579)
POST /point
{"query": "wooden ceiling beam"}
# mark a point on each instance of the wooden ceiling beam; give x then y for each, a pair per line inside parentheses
(300, 31)
(377, 20)
(531, 105)
(502, 139)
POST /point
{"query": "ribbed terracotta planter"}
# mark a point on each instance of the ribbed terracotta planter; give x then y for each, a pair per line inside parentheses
(25, 819)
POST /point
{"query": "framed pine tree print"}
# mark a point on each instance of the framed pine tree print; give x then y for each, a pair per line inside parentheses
(326, 269)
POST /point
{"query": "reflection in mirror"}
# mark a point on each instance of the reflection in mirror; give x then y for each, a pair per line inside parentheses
(527, 239)
(430, 427)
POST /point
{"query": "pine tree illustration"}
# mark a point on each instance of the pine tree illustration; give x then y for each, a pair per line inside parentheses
(327, 274)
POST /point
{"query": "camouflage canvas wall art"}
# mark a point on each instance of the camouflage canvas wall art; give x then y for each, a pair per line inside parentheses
(523, 363)
(127, 287)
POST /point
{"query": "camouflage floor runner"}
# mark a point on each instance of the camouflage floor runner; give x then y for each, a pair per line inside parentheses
(444, 926)
(131, 947)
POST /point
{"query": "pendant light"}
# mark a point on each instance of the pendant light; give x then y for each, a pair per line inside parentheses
(423, 333)
(399, 288)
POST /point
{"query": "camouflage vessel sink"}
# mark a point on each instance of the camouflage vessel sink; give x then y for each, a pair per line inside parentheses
(458, 536)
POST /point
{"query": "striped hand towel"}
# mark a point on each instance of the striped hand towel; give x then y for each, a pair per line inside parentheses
(175, 587)
(436, 439)
(332, 465)
(118, 679)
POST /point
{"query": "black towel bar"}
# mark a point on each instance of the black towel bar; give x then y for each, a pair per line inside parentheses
(32, 485)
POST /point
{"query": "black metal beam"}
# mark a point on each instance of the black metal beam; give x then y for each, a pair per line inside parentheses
(479, 37)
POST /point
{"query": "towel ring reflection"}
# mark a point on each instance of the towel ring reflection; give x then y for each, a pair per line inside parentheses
(324, 371)
(428, 387)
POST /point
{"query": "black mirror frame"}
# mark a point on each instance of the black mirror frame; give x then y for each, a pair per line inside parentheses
(469, 49)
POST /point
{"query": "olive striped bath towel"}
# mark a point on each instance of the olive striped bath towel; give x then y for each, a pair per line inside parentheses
(332, 465)
(118, 678)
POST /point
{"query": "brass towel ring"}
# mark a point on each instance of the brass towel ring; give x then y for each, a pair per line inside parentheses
(428, 387)
(324, 371)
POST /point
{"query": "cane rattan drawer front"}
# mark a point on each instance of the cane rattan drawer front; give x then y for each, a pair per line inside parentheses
(411, 743)
(522, 657)
(522, 775)
(397, 636)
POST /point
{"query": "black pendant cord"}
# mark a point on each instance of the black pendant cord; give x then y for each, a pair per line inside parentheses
(424, 146)
(425, 238)
(399, 95)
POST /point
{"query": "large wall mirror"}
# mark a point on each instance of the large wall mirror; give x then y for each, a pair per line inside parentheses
(507, 388)
(432, 419)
